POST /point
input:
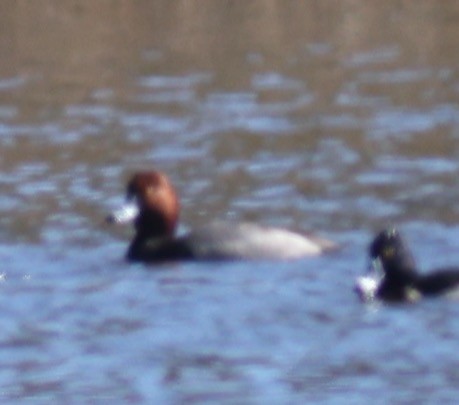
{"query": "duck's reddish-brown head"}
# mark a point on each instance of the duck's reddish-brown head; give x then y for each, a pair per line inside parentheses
(156, 208)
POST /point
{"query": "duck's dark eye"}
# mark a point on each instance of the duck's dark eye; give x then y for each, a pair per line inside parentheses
(388, 252)
(131, 192)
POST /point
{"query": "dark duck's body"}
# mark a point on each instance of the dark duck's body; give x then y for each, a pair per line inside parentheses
(155, 214)
(400, 279)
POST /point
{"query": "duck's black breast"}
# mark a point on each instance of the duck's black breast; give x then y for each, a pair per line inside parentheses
(159, 249)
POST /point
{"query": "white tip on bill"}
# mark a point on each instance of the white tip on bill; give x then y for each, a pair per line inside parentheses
(125, 214)
(366, 288)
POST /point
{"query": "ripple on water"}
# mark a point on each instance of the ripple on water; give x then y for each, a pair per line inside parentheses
(276, 81)
(243, 111)
(374, 57)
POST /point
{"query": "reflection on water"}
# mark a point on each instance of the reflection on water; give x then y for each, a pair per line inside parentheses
(338, 117)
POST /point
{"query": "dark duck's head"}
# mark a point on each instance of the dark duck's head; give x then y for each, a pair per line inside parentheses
(152, 205)
(394, 275)
(389, 253)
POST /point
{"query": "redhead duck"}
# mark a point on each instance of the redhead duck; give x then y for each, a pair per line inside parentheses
(400, 281)
(154, 209)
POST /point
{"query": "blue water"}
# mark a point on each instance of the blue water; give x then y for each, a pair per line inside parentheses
(234, 332)
(269, 114)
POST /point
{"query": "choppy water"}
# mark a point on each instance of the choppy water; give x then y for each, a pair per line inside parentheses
(339, 118)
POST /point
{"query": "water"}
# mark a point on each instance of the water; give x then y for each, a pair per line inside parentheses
(338, 118)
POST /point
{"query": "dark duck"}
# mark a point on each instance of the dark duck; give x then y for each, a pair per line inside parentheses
(399, 280)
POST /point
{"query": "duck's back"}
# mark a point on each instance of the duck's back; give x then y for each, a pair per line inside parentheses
(223, 240)
(439, 282)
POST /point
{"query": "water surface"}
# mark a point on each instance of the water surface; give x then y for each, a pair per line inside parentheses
(338, 117)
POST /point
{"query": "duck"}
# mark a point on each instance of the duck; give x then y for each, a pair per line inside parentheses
(152, 205)
(399, 279)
